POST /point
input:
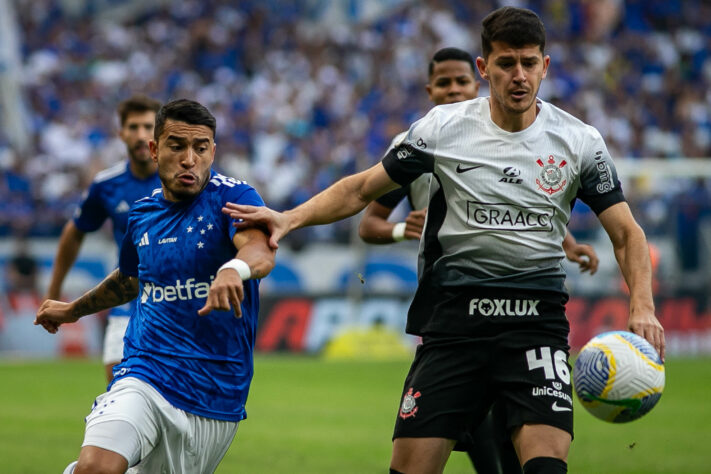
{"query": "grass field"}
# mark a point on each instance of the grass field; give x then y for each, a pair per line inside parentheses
(312, 416)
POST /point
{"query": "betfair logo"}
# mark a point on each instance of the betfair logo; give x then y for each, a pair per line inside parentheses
(180, 291)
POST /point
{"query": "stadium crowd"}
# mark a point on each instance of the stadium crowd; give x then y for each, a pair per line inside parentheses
(302, 100)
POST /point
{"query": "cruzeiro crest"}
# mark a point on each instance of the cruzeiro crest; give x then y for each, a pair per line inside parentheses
(551, 178)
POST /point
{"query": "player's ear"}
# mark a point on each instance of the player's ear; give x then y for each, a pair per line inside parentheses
(428, 88)
(546, 62)
(153, 148)
(481, 67)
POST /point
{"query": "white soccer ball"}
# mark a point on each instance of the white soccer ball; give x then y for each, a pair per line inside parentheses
(618, 376)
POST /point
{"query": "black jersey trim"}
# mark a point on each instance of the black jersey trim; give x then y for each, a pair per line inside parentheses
(393, 198)
(405, 163)
(600, 202)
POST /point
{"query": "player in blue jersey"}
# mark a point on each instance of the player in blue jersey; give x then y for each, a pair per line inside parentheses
(179, 393)
(110, 196)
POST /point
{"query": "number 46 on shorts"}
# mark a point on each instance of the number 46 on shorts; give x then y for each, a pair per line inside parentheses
(552, 365)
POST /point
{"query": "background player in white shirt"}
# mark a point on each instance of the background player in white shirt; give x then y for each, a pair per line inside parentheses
(180, 391)
(490, 303)
(110, 196)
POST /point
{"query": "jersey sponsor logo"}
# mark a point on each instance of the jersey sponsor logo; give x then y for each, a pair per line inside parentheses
(551, 177)
(121, 207)
(552, 392)
(144, 240)
(605, 174)
(409, 404)
(421, 143)
(509, 217)
(167, 240)
(503, 307)
(404, 152)
(189, 290)
(511, 175)
(464, 169)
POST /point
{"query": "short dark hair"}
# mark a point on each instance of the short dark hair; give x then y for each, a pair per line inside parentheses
(515, 26)
(184, 110)
(450, 54)
(136, 104)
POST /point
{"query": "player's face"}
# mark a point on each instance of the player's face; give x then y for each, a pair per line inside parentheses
(136, 132)
(184, 154)
(514, 76)
(452, 81)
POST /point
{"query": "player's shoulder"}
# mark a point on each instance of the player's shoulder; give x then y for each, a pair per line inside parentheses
(147, 202)
(567, 123)
(111, 174)
(472, 109)
(221, 184)
(222, 189)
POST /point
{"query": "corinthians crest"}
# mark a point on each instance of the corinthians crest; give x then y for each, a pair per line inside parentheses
(409, 404)
(551, 177)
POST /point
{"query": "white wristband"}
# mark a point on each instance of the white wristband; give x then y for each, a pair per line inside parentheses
(399, 231)
(240, 266)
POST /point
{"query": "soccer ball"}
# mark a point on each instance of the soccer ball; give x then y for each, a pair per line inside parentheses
(618, 376)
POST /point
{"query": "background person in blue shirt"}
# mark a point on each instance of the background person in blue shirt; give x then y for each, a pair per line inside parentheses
(110, 196)
(179, 393)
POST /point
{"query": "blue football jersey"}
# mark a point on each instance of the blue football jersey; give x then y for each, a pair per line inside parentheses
(110, 196)
(200, 364)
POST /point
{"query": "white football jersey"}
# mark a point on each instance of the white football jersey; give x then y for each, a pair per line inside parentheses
(498, 214)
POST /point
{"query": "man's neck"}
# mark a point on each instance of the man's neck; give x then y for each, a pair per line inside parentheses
(512, 122)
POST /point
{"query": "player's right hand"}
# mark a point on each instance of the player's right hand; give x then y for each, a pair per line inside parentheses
(414, 224)
(226, 290)
(275, 223)
(52, 314)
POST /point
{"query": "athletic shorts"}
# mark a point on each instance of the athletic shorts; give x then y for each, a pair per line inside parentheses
(113, 339)
(455, 380)
(134, 420)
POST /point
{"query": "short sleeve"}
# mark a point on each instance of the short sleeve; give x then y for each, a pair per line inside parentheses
(128, 255)
(393, 198)
(414, 154)
(243, 194)
(91, 213)
(599, 185)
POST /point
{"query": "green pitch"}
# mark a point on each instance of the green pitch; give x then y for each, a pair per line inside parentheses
(312, 416)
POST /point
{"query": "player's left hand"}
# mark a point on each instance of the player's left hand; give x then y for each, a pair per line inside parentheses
(584, 255)
(647, 325)
(226, 289)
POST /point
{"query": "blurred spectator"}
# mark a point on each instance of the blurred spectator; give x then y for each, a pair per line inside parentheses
(306, 96)
(22, 269)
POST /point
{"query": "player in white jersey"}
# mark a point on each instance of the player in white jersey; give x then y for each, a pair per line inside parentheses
(452, 79)
(490, 303)
(110, 196)
(180, 391)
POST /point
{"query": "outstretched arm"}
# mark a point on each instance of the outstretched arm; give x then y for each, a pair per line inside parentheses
(582, 254)
(69, 245)
(632, 253)
(115, 290)
(342, 199)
